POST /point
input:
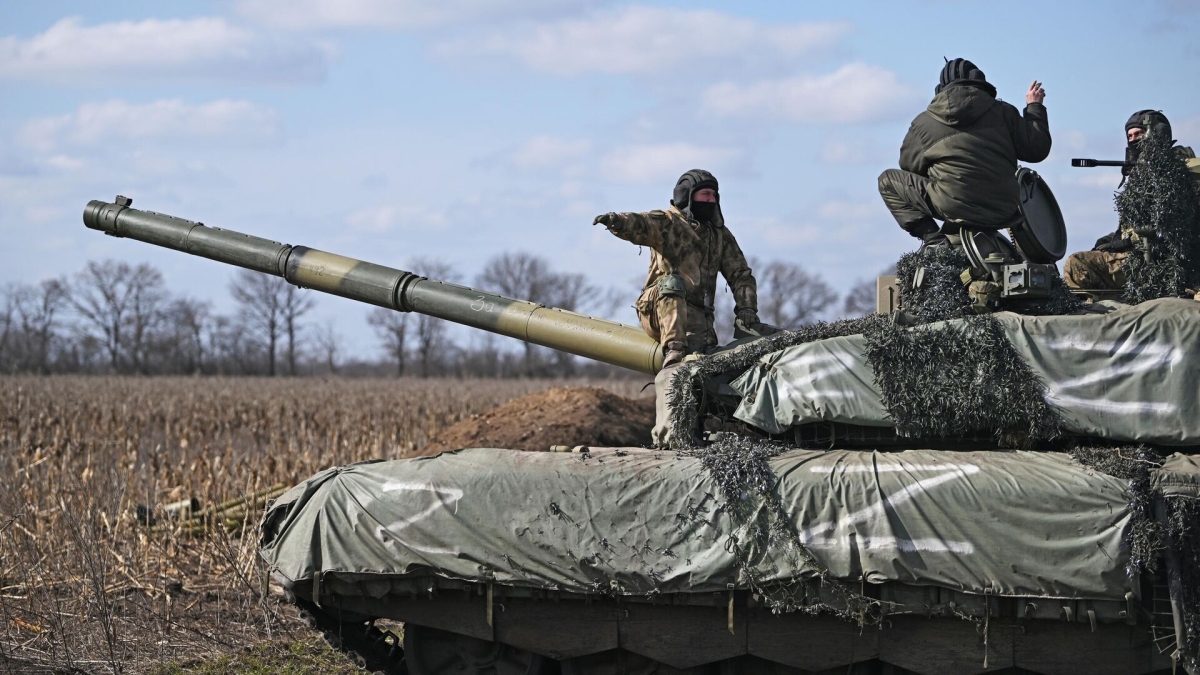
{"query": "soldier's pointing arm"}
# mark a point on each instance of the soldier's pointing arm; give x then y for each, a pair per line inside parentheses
(738, 275)
(643, 229)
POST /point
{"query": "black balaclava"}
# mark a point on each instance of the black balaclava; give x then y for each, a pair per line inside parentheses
(1152, 122)
(963, 72)
(696, 179)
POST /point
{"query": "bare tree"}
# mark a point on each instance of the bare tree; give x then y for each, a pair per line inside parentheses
(260, 298)
(119, 304)
(296, 303)
(187, 335)
(861, 300)
(233, 348)
(790, 296)
(36, 313)
(431, 332)
(8, 328)
(392, 329)
(525, 276)
(145, 315)
(329, 342)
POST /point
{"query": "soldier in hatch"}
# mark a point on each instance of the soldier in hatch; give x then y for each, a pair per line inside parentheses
(958, 162)
(689, 245)
(1101, 267)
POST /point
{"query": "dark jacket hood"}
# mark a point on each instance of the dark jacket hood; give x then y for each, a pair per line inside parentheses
(960, 104)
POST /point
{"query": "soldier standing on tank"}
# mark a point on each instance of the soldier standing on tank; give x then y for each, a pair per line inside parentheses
(689, 244)
(958, 161)
(1102, 267)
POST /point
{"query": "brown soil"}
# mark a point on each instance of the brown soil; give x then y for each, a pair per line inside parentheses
(559, 416)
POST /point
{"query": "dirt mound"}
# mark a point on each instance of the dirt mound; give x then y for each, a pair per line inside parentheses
(559, 416)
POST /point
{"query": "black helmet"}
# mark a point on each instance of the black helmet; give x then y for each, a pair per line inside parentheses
(1152, 121)
(696, 179)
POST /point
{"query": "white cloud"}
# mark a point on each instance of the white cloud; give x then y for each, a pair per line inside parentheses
(856, 152)
(116, 120)
(776, 232)
(64, 163)
(391, 14)
(1187, 131)
(174, 49)
(655, 163)
(854, 93)
(642, 40)
(851, 212)
(1105, 179)
(379, 219)
(547, 151)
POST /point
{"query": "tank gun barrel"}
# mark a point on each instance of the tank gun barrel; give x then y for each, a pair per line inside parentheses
(592, 338)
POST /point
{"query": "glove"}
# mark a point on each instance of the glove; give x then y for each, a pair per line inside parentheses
(1115, 245)
(747, 325)
(609, 220)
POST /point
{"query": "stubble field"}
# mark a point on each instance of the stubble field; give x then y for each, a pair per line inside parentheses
(97, 576)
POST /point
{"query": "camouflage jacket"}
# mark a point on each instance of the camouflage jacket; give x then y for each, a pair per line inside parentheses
(694, 251)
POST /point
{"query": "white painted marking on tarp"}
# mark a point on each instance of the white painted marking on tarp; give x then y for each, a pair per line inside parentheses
(444, 496)
(895, 468)
(1116, 407)
(806, 360)
(1142, 357)
(453, 495)
(894, 543)
(905, 493)
(833, 394)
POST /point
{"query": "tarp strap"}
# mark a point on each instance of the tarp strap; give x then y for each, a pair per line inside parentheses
(731, 610)
(490, 592)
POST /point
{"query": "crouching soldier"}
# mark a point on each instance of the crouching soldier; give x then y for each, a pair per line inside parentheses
(958, 162)
(689, 245)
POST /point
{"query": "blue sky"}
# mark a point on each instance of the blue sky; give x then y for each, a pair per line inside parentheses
(460, 129)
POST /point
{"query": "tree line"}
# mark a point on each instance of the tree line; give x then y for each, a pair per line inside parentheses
(114, 317)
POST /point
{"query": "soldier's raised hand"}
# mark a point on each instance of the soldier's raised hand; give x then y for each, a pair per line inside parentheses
(1035, 94)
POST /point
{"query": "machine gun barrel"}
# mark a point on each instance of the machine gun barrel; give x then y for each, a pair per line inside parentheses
(1081, 163)
(589, 337)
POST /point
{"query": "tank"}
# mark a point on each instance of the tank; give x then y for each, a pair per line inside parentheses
(902, 493)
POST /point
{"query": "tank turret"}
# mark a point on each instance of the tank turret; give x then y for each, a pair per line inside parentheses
(590, 337)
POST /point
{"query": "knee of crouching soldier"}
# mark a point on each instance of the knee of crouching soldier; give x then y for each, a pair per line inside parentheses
(885, 182)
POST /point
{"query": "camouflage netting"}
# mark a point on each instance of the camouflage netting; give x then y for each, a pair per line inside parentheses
(1183, 534)
(684, 392)
(1154, 536)
(943, 295)
(1134, 464)
(1160, 204)
(749, 487)
(958, 380)
(749, 494)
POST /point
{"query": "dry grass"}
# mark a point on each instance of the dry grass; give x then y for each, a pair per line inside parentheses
(85, 587)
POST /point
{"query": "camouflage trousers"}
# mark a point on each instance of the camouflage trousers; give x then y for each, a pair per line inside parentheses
(1095, 270)
(668, 318)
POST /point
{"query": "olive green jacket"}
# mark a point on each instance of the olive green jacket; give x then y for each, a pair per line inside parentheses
(967, 143)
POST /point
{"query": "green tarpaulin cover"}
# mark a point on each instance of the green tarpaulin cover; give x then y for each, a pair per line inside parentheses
(633, 521)
(1132, 374)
